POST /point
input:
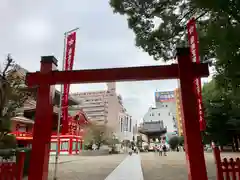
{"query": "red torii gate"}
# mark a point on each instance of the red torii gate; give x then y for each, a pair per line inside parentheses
(185, 70)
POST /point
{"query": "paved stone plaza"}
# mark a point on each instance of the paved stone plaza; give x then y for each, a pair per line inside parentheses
(86, 167)
(173, 166)
(124, 167)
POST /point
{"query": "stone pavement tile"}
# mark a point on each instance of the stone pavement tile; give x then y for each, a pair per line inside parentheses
(129, 169)
(171, 167)
(87, 167)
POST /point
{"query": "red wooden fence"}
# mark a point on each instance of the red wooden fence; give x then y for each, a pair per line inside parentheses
(226, 169)
(12, 170)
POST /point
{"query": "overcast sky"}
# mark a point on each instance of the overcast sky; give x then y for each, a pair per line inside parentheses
(30, 29)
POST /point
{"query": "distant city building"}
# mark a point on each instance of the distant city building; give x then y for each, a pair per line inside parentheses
(166, 101)
(179, 111)
(126, 127)
(103, 107)
(162, 115)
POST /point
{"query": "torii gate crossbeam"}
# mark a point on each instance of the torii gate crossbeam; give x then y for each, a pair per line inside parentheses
(185, 70)
(144, 73)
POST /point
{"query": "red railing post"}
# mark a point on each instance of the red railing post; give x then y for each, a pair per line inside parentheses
(218, 163)
(20, 165)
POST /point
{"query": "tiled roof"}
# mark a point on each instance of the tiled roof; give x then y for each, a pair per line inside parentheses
(22, 119)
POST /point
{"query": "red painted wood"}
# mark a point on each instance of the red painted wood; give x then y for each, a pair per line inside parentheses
(193, 142)
(8, 171)
(115, 74)
(20, 166)
(226, 169)
(238, 167)
(218, 163)
(232, 164)
(38, 169)
(186, 70)
(70, 145)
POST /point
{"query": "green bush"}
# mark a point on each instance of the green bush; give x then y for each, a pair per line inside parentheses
(8, 142)
(26, 160)
(181, 141)
(173, 142)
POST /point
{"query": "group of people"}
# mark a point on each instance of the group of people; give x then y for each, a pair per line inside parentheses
(161, 149)
(132, 149)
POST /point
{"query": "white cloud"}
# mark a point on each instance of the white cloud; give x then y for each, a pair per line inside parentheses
(34, 30)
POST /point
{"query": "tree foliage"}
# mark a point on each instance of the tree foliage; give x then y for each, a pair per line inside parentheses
(160, 26)
(221, 113)
(98, 134)
(181, 140)
(173, 142)
(13, 94)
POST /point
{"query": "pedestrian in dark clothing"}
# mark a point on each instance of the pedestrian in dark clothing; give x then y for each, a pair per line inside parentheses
(164, 150)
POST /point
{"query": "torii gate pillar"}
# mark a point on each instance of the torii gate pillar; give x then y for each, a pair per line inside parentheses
(191, 127)
(43, 125)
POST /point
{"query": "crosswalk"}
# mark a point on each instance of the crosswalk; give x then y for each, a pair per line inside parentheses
(129, 169)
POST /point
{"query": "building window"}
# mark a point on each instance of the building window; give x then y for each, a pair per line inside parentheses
(121, 121)
(130, 124)
(152, 114)
(79, 145)
(74, 147)
(64, 146)
(158, 114)
(126, 124)
(53, 146)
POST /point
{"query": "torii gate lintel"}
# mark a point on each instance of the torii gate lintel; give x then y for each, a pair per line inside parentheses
(142, 73)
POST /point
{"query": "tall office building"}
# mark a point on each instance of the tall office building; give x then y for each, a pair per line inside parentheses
(103, 107)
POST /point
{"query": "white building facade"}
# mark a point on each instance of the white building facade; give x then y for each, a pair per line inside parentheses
(126, 127)
(166, 101)
(163, 115)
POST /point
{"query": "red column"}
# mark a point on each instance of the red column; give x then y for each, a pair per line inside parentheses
(193, 142)
(20, 166)
(70, 145)
(43, 125)
(59, 145)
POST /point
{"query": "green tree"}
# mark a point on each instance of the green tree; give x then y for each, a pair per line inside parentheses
(160, 26)
(181, 140)
(220, 114)
(13, 94)
(98, 134)
(173, 142)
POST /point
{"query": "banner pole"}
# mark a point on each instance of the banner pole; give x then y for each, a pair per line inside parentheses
(60, 107)
(59, 114)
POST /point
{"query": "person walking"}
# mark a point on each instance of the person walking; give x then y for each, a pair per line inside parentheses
(164, 148)
(160, 150)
